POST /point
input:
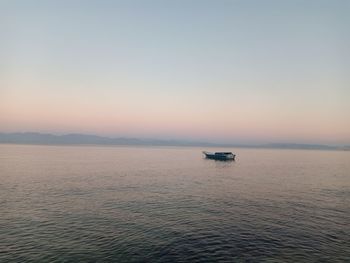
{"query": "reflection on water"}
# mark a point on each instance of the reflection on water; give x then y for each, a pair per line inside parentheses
(69, 204)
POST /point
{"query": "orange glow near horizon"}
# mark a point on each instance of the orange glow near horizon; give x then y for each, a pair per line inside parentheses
(137, 119)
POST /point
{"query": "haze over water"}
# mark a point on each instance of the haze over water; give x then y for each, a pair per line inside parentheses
(168, 204)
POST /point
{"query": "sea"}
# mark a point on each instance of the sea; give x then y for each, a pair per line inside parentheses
(169, 204)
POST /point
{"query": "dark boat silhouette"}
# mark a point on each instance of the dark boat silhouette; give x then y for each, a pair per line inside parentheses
(222, 156)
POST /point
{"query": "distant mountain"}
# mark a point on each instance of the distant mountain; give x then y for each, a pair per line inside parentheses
(81, 139)
(298, 146)
(74, 138)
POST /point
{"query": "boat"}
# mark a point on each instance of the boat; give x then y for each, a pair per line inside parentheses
(223, 156)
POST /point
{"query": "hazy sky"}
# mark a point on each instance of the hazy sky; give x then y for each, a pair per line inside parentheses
(234, 71)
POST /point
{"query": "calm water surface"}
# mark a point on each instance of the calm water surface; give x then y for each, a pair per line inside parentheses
(147, 204)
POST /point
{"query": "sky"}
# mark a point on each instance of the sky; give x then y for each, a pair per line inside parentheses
(218, 71)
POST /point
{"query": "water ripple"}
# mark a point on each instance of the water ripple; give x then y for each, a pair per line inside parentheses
(55, 208)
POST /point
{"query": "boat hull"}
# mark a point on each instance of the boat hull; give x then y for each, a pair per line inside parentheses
(220, 157)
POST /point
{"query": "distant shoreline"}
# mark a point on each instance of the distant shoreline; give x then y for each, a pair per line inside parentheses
(33, 138)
